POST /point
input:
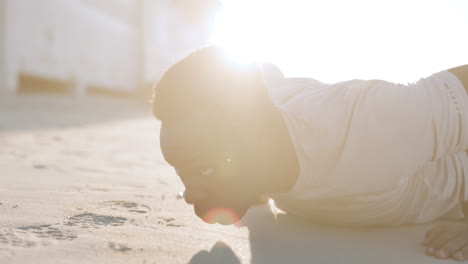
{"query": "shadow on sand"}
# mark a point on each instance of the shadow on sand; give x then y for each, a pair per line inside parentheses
(289, 239)
(220, 253)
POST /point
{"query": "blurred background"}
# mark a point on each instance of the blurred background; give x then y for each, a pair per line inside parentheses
(124, 46)
(86, 46)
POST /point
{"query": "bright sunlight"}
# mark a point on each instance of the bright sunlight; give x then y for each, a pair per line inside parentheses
(337, 40)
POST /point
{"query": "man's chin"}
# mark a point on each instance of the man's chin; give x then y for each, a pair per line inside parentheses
(220, 215)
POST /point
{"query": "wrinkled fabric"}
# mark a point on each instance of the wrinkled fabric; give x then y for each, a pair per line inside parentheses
(373, 152)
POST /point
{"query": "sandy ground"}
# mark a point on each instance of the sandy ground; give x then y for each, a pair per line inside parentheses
(83, 181)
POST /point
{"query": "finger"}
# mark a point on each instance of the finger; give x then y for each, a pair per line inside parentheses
(438, 242)
(453, 245)
(432, 233)
(461, 254)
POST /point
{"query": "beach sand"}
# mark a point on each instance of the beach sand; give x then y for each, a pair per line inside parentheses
(84, 181)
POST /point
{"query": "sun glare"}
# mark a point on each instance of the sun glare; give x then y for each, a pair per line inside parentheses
(222, 215)
(337, 40)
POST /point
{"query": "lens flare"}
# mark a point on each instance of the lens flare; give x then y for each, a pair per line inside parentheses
(224, 216)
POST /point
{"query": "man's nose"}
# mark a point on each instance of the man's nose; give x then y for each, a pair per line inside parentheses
(193, 196)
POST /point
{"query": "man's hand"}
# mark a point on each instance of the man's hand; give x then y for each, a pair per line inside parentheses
(448, 240)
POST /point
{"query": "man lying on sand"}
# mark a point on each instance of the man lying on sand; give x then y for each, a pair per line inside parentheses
(355, 153)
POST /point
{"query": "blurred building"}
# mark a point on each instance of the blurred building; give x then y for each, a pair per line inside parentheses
(82, 46)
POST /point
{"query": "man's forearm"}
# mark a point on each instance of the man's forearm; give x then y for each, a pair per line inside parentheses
(462, 73)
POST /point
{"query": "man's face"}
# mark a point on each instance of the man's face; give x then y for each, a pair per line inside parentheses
(218, 166)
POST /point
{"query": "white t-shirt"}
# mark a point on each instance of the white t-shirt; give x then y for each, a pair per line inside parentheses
(375, 152)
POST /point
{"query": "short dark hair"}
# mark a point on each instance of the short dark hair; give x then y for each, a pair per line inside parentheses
(206, 78)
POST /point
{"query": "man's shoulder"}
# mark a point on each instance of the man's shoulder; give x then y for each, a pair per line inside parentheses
(282, 89)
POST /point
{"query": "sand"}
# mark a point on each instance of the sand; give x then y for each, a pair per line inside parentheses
(84, 181)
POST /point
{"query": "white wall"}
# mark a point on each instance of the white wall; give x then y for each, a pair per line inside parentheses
(89, 41)
(156, 23)
(3, 51)
(114, 44)
(170, 33)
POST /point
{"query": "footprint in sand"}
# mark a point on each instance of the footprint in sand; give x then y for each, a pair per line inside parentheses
(32, 236)
(168, 222)
(48, 231)
(17, 238)
(131, 207)
(119, 247)
(106, 218)
(90, 220)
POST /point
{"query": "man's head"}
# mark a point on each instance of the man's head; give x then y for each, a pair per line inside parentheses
(216, 132)
(208, 80)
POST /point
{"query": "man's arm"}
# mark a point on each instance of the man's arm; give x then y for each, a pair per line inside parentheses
(462, 73)
(450, 240)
